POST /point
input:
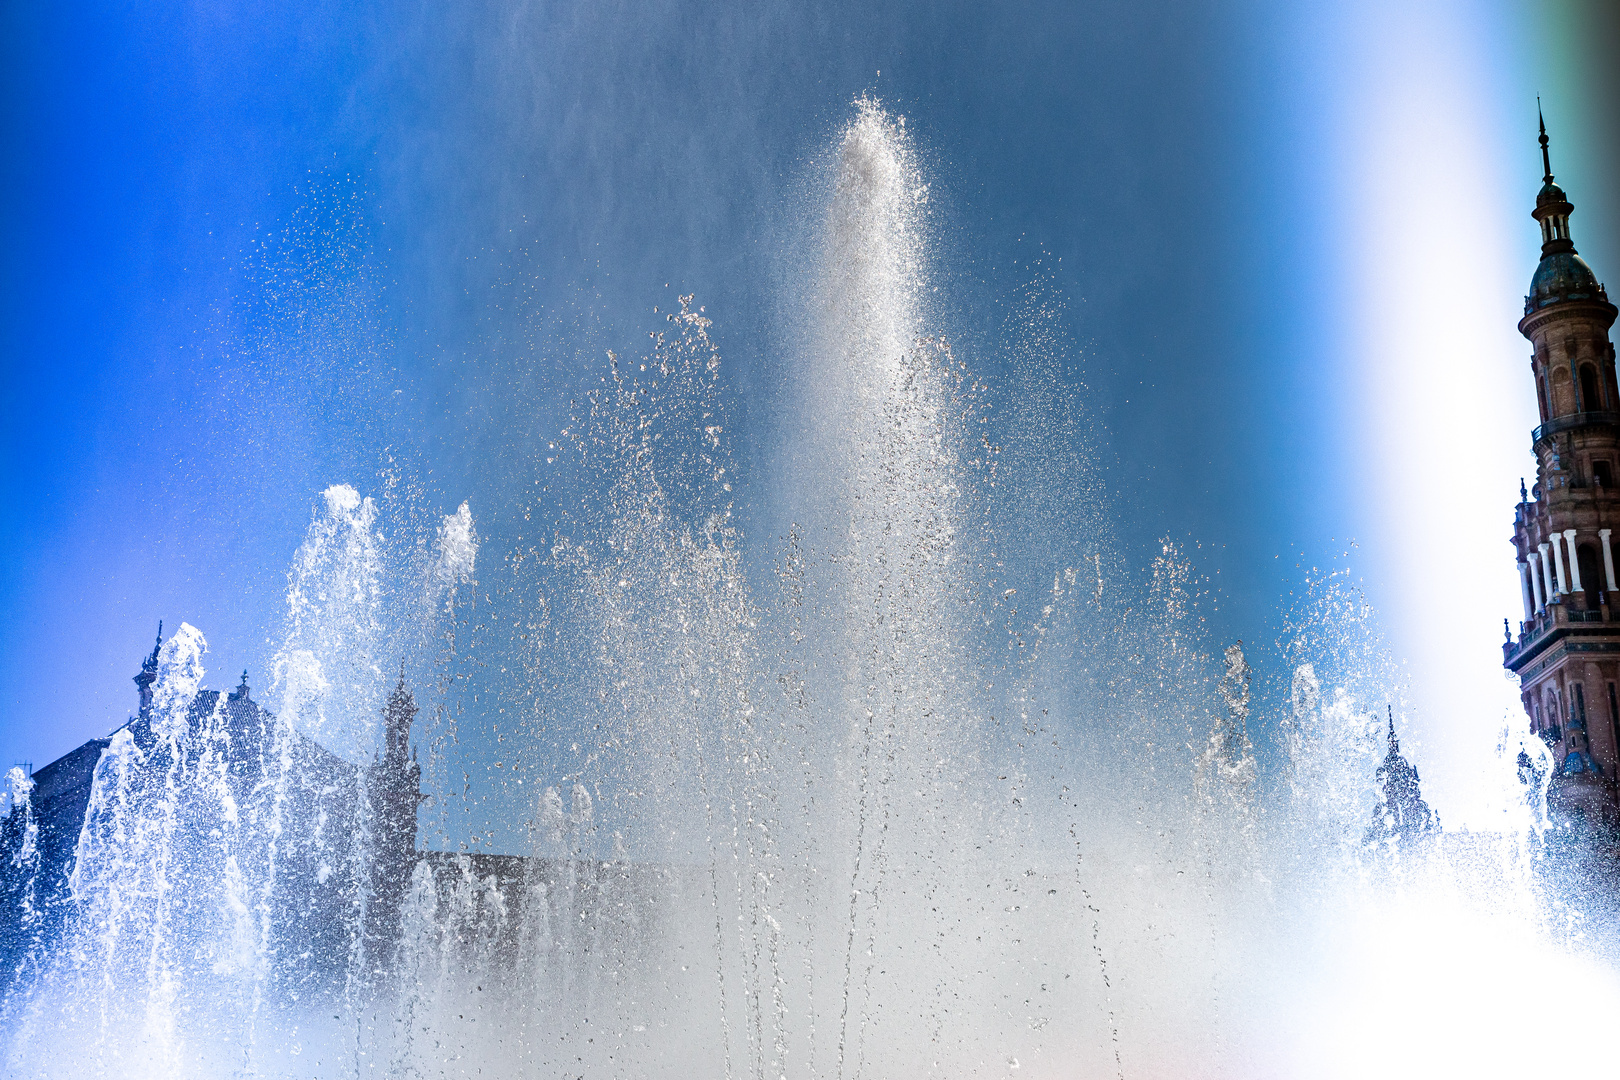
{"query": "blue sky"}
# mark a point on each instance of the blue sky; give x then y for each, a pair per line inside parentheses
(254, 250)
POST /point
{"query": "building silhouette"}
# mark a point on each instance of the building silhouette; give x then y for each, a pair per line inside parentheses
(1567, 652)
(347, 841)
(344, 899)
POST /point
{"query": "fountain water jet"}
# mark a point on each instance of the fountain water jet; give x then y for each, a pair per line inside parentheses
(874, 812)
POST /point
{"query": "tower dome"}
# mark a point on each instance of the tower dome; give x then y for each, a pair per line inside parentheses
(1563, 275)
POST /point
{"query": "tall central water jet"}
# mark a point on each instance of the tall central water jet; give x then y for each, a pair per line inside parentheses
(890, 523)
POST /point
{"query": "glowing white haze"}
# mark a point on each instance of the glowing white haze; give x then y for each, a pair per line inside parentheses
(1435, 180)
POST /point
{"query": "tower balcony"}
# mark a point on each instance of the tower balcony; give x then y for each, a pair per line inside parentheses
(1561, 618)
(1574, 421)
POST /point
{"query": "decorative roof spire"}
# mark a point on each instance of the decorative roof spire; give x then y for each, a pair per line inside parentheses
(398, 713)
(148, 673)
(1552, 213)
(1546, 162)
(1401, 813)
(152, 661)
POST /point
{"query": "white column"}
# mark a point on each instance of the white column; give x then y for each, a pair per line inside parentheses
(1547, 593)
(1558, 561)
(1524, 590)
(1574, 563)
(1608, 560)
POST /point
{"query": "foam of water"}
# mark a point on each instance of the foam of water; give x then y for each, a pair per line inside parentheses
(870, 813)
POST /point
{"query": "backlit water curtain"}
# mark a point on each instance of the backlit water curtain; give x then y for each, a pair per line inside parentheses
(880, 809)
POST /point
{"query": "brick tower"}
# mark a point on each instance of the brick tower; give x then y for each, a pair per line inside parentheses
(1567, 655)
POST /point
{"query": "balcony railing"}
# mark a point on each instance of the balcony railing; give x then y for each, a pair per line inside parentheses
(1571, 422)
(1533, 630)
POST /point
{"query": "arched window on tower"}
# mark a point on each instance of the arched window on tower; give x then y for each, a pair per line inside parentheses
(1591, 397)
(1587, 558)
(1541, 395)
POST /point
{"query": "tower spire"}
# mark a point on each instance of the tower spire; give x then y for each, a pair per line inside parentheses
(1546, 161)
(1552, 207)
(148, 673)
(1401, 813)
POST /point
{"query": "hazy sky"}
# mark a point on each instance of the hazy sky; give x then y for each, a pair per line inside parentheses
(254, 250)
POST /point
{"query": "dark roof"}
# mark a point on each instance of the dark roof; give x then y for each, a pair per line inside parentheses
(71, 771)
(1563, 275)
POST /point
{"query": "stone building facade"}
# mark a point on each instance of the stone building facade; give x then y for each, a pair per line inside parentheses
(1567, 652)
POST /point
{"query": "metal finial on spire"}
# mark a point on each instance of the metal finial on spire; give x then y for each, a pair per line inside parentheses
(1524, 496)
(1546, 161)
(1507, 635)
(157, 646)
